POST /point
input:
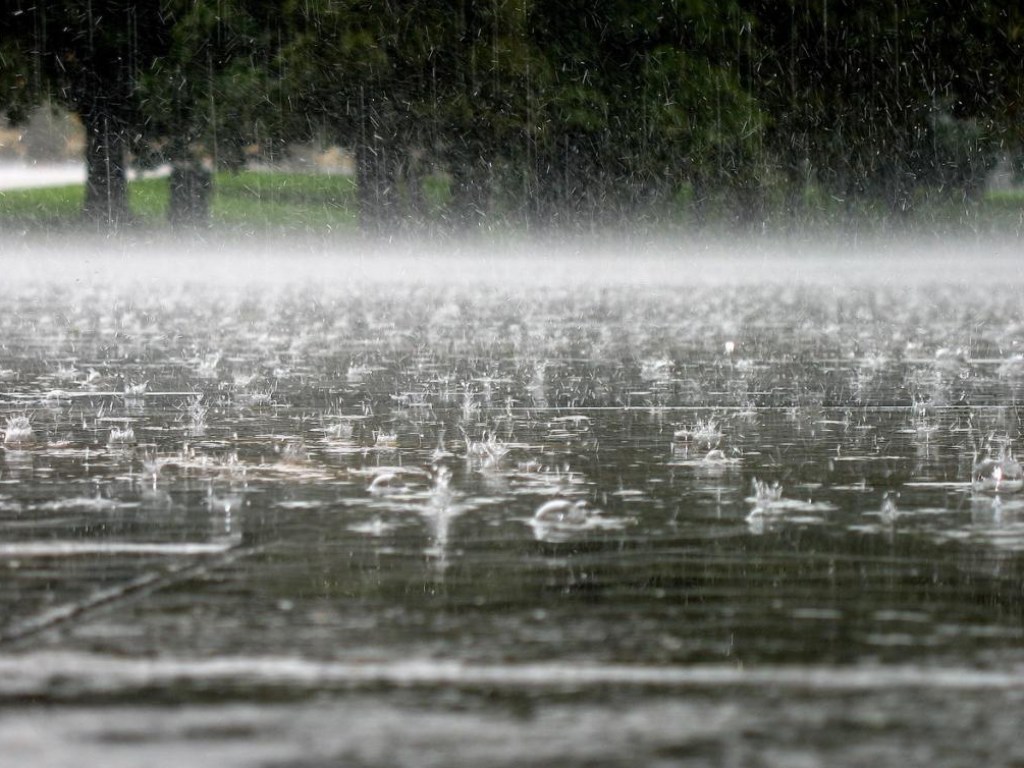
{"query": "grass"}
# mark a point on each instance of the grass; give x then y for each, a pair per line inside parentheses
(247, 200)
(306, 202)
(998, 212)
(41, 206)
(260, 201)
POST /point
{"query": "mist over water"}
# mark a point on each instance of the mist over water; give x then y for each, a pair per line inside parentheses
(603, 258)
(542, 493)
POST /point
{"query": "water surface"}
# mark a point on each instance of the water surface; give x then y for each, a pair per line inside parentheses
(274, 520)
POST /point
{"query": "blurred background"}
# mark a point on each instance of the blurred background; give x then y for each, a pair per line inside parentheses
(521, 114)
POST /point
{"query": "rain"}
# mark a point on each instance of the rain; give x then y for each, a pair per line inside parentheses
(511, 383)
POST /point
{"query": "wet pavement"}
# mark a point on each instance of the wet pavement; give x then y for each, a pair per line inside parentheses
(390, 521)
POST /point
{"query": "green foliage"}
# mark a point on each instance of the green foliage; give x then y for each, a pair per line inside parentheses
(20, 90)
(207, 96)
(75, 51)
(883, 99)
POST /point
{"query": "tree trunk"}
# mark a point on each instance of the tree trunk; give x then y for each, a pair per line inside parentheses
(417, 203)
(106, 185)
(897, 184)
(469, 201)
(191, 185)
(545, 205)
(376, 191)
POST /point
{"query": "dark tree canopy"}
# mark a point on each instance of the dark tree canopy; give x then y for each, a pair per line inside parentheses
(884, 98)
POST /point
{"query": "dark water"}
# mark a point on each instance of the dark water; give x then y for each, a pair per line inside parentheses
(296, 525)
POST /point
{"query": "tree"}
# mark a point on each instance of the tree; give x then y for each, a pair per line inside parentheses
(207, 96)
(169, 80)
(337, 70)
(638, 101)
(88, 56)
(888, 99)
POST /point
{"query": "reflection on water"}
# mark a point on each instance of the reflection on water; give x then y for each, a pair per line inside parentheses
(632, 477)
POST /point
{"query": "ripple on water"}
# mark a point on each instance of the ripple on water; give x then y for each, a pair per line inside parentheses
(313, 423)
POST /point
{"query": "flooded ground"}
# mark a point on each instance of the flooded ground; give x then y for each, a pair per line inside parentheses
(392, 510)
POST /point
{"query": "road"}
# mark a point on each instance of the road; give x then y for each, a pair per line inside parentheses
(21, 175)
